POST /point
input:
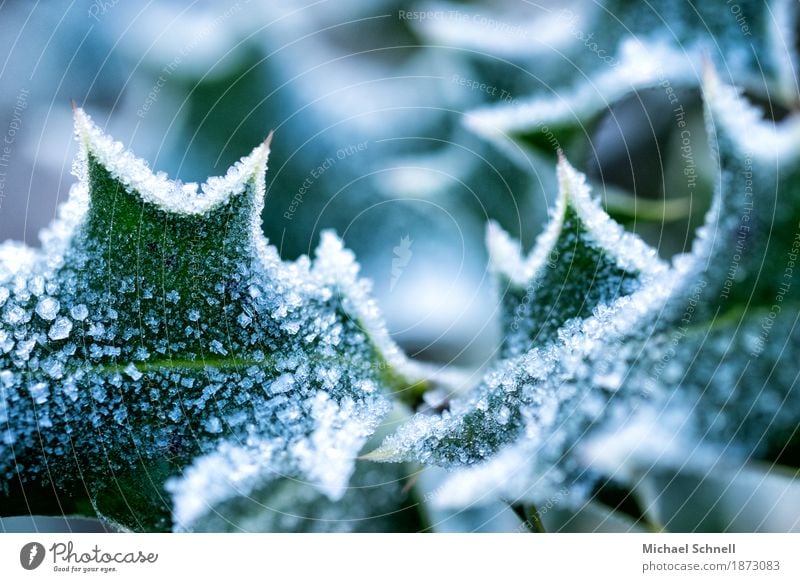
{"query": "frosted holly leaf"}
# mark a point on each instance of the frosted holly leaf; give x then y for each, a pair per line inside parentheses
(548, 123)
(253, 486)
(636, 402)
(157, 322)
(581, 261)
(719, 362)
(751, 38)
(661, 48)
(581, 266)
(552, 44)
(680, 373)
(734, 308)
(745, 251)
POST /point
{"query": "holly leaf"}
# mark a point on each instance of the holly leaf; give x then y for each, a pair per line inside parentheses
(243, 488)
(583, 265)
(691, 369)
(621, 48)
(157, 326)
(581, 261)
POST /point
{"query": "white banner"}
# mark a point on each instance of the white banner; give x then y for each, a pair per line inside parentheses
(401, 558)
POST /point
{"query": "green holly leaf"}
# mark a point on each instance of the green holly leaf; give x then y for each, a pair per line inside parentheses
(693, 367)
(157, 326)
(754, 224)
(582, 266)
(581, 261)
(547, 123)
(622, 48)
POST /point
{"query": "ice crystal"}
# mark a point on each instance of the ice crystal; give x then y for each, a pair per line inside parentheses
(47, 308)
(60, 329)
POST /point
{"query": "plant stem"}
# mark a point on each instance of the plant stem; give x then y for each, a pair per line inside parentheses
(529, 515)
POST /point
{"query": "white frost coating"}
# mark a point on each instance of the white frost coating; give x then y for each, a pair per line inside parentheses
(627, 249)
(229, 471)
(765, 139)
(158, 189)
(639, 66)
(505, 252)
(506, 473)
(325, 458)
(337, 266)
(16, 259)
